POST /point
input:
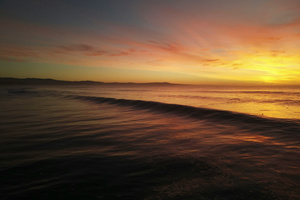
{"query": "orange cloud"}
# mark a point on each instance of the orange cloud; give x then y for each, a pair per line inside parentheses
(251, 40)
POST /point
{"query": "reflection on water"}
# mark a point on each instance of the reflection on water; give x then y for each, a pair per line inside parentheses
(54, 147)
(261, 101)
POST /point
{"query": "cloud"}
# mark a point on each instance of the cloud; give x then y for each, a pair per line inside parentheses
(12, 59)
(17, 53)
(78, 47)
(170, 47)
(83, 48)
(182, 36)
(90, 50)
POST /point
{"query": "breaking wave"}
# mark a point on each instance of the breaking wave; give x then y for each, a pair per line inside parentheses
(220, 116)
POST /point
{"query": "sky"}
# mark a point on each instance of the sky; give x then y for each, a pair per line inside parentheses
(180, 41)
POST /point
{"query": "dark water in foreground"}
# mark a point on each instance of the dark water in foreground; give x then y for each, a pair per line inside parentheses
(58, 144)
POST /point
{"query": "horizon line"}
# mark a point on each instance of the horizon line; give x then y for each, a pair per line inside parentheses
(158, 82)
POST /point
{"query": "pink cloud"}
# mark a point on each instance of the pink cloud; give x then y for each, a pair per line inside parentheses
(90, 50)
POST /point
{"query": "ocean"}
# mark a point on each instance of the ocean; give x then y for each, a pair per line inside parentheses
(149, 141)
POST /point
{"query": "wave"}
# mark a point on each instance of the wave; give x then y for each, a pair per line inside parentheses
(287, 102)
(253, 122)
(219, 116)
(252, 92)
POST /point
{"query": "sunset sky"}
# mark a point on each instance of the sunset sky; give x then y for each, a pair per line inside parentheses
(187, 41)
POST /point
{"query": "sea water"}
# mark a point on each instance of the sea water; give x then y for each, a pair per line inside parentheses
(159, 141)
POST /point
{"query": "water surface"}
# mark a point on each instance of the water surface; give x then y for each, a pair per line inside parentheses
(149, 142)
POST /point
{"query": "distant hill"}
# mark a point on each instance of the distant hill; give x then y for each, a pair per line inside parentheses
(39, 81)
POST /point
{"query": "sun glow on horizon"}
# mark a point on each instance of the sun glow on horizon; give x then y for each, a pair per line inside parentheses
(198, 42)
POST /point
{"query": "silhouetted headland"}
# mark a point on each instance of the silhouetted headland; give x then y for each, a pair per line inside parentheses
(48, 81)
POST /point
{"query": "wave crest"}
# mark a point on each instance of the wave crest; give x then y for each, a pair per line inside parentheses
(214, 115)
